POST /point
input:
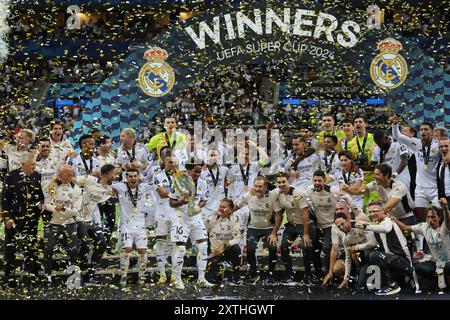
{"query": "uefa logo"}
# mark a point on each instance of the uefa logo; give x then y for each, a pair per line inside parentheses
(389, 69)
(156, 77)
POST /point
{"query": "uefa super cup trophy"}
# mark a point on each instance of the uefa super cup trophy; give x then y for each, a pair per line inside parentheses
(185, 185)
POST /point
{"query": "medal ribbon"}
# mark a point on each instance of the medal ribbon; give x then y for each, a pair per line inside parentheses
(88, 170)
(328, 166)
(426, 153)
(245, 176)
(361, 150)
(216, 178)
(168, 141)
(134, 197)
(132, 156)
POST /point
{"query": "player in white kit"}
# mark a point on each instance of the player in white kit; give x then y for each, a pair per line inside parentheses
(189, 223)
(215, 175)
(162, 183)
(135, 204)
(426, 151)
(86, 163)
(301, 164)
(392, 153)
(331, 164)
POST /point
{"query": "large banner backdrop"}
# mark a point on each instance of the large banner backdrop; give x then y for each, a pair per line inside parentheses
(260, 31)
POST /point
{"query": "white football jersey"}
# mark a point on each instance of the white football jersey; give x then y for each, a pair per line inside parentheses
(242, 178)
(305, 168)
(48, 169)
(215, 178)
(93, 194)
(331, 165)
(427, 158)
(139, 152)
(82, 166)
(392, 158)
(135, 204)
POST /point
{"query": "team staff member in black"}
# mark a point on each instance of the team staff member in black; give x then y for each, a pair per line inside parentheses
(22, 202)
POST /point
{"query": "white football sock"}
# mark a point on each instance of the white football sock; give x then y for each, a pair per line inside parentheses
(202, 259)
(161, 256)
(142, 265)
(124, 263)
(178, 260)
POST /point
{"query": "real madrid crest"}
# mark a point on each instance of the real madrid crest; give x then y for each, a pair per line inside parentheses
(389, 69)
(156, 77)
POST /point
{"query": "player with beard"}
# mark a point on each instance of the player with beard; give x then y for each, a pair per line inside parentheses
(162, 183)
(107, 208)
(135, 203)
(291, 200)
(224, 235)
(185, 226)
(86, 163)
(262, 206)
(301, 163)
(355, 241)
(427, 155)
(192, 152)
(361, 147)
(322, 201)
(241, 176)
(47, 167)
(104, 150)
(337, 254)
(394, 194)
